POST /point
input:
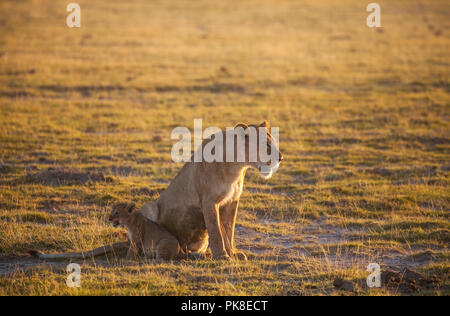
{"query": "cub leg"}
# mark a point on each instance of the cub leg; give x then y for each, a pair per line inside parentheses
(169, 249)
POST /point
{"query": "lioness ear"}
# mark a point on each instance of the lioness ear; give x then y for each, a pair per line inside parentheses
(241, 129)
(243, 125)
(265, 124)
(130, 207)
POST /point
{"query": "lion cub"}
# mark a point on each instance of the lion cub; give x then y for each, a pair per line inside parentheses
(146, 237)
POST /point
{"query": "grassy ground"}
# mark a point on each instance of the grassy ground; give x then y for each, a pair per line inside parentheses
(364, 129)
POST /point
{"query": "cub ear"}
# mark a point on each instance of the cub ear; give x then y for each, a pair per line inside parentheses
(265, 124)
(130, 207)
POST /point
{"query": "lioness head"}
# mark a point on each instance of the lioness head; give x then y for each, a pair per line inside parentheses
(260, 153)
(120, 213)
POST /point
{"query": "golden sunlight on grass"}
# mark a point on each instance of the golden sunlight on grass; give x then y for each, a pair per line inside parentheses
(86, 116)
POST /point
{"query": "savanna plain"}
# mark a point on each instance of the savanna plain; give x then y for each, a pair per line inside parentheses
(86, 116)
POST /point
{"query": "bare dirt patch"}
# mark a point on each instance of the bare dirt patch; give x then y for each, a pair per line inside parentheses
(332, 246)
(12, 264)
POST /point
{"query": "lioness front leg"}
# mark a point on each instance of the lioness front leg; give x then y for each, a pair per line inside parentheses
(228, 221)
(216, 242)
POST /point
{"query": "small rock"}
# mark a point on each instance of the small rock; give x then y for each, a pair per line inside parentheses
(345, 285)
(407, 280)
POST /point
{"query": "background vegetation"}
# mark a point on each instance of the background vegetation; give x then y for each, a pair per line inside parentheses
(86, 116)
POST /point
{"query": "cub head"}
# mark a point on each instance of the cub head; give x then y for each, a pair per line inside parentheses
(261, 149)
(121, 212)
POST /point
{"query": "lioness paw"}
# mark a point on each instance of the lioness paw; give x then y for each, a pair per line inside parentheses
(223, 257)
(240, 256)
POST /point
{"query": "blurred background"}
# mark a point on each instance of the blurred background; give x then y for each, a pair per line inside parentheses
(86, 115)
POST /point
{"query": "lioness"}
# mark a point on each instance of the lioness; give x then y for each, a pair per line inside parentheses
(146, 237)
(202, 200)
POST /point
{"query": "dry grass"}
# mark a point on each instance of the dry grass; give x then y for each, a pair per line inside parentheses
(364, 129)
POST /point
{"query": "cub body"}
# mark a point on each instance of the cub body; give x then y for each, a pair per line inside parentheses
(147, 238)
